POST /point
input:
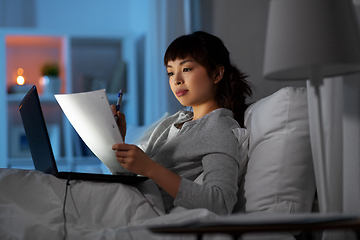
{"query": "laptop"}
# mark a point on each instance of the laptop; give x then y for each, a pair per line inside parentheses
(41, 150)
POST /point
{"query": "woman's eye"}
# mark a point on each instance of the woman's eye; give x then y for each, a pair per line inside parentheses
(186, 69)
(170, 74)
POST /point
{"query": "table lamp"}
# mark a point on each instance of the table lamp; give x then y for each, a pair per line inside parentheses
(310, 40)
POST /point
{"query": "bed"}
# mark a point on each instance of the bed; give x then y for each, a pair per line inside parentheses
(279, 179)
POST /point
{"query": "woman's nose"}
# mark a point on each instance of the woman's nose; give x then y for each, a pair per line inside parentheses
(178, 80)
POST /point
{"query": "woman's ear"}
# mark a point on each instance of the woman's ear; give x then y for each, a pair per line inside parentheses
(219, 74)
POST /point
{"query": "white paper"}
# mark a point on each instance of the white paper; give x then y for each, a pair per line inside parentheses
(91, 116)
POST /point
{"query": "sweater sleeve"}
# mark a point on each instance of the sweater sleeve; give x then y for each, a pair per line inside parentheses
(219, 188)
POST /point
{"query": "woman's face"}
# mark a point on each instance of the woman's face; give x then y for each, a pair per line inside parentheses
(191, 83)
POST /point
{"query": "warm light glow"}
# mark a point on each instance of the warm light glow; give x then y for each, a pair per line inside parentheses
(20, 80)
(20, 71)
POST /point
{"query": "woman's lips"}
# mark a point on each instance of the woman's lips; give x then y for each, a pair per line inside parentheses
(181, 92)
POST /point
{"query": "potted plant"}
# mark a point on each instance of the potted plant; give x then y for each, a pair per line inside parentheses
(50, 69)
(50, 78)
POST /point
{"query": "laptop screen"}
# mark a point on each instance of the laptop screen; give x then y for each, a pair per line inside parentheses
(36, 133)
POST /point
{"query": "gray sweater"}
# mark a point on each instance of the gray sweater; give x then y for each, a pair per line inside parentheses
(208, 145)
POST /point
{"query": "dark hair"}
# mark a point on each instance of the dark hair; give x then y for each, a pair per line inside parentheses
(209, 51)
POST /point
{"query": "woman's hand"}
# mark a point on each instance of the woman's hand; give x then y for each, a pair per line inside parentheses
(121, 122)
(133, 159)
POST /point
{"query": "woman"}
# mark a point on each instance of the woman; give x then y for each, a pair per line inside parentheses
(206, 140)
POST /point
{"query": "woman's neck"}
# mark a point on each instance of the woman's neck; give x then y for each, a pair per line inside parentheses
(201, 111)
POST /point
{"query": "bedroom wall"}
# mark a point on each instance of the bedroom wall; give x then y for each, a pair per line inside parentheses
(83, 16)
(241, 24)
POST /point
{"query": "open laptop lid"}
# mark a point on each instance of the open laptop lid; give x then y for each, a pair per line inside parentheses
(41, 150)
(36, 133)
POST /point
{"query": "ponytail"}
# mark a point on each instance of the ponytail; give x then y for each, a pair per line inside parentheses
(232, 92)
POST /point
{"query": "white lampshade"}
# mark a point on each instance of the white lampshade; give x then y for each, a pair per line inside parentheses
(307, 34)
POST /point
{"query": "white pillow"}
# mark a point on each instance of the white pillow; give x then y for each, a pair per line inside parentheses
(279, 175)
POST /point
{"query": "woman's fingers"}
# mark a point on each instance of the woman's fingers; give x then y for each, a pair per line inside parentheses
(120, 152)
(132, 158)
(121, 121)
(121, 146)
(124, 150)
(113, 109)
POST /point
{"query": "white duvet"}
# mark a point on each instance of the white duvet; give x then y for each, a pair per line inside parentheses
(31, 207)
